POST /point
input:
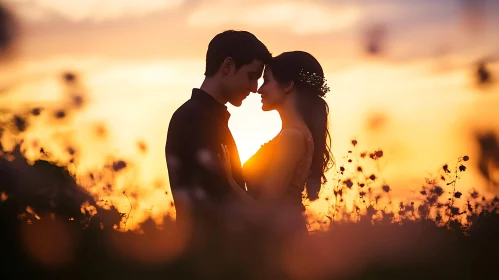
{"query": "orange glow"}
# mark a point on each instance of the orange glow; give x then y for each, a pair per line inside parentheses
(416, 100)
(49, 242)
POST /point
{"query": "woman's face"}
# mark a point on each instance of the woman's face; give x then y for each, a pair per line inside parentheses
(271, 92)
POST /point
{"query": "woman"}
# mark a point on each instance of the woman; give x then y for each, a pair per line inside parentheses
(298, 157)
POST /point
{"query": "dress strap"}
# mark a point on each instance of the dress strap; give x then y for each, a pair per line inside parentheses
(304, 132)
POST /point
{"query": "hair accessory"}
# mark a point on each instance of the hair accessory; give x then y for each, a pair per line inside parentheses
(314, 80)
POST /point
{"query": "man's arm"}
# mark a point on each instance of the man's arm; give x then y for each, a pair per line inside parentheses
(192, 156)
(176, 154)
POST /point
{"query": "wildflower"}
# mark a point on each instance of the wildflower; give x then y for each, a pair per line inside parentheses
(483, 73)
(372, 177)
(379, 154)
(474, 194)
(423, 192)
(78, 101)
(458, 194)
(454, 210)
(60, 114)
(446, 168)
(423, 210)
(438, 190)
(349, 183)
(432, 199)
(354, 142)
(466, 158)
(142, 146)
(69, 77)
(363, 154)
(410, 208)
(36, 111)
(100, 131)
(359, 169)
(462, 168)
(20, 123)
(386, 188)
(342, 168)
(438, 218)
(118, 165)
(362, 185)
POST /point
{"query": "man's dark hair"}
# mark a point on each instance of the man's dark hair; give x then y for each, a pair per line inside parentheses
(242, 46)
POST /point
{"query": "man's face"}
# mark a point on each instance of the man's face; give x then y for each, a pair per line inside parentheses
(243, 81)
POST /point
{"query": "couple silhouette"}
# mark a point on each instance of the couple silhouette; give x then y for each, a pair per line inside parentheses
(203, 163)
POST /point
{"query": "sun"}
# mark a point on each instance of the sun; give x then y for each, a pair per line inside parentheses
(251, 127)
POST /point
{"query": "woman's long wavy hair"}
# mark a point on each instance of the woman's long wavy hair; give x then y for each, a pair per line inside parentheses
(308, 78)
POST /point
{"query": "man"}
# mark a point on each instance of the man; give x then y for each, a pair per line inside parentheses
(234, 63)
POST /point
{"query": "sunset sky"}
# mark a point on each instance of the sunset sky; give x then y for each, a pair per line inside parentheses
(415, 98)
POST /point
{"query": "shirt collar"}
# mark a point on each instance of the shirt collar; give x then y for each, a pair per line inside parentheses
(211, 103)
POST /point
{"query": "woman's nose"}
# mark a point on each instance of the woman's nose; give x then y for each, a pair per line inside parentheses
(254, 87)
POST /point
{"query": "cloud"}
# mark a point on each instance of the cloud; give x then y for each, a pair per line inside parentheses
(93, 10)
(303, 17)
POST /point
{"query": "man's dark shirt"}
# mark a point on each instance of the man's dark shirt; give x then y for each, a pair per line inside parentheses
(195, 134)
